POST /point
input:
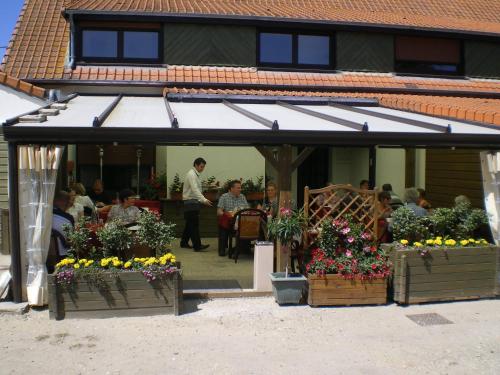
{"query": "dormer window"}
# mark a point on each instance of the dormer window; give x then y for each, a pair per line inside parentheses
(100, 45)
(300, 50)
(422, 55)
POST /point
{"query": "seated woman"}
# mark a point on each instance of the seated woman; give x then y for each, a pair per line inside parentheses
(125, 210)
(82, 198)
(75, 209)
(384, 211)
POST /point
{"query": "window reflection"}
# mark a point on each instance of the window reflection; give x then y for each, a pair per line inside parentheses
(98, 43)
(140, 45)
(314, 50)
(276, 48)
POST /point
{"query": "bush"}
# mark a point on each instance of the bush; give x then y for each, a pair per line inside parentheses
(458, 222)
(153, 232)
(406, 225)
(115, 238)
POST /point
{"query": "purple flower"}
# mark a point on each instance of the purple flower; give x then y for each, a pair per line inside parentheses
(350, 239)
(345, 230)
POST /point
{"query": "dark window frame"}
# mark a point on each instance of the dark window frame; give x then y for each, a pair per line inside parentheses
(295, 50)
(460, 72)
(120, 59)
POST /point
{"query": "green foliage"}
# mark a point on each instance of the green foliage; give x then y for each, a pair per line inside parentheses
(406, 225)
(289, 224)
(176, 185)
(153, 232)
(458, 222)
(210, 184)
(154, 186)
(249, 186)
(115, 238)
(79, 237)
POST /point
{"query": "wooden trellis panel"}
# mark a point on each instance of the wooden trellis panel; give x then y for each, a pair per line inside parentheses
(337, 201)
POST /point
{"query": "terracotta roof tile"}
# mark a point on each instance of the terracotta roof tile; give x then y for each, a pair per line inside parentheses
(21, 86)
(477, 15)
(473, 109)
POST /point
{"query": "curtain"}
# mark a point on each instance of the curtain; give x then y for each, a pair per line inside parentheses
(490, 167)
(37, 178)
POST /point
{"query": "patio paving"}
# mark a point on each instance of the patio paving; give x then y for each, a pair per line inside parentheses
(207, 270)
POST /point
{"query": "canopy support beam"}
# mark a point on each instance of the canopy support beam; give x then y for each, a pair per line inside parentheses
(273, 125)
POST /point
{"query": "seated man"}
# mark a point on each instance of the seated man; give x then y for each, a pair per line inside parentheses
(60, 219)
(229, 204)
(125, 211)
(98, 195)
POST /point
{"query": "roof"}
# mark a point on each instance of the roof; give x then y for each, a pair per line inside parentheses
(40, 40)
(21, 86)
(477, 15)
(484, 110)
(216, 119)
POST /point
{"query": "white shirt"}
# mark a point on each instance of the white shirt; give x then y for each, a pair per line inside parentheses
(85, 201)
(192, 186)
(76, 211)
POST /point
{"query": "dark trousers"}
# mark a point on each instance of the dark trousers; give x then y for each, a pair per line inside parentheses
(223, 240)
(192, 229)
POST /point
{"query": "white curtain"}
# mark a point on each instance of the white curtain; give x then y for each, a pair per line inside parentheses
(490, 167)
(37, 179)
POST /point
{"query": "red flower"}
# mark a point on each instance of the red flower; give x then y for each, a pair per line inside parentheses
(374, 266)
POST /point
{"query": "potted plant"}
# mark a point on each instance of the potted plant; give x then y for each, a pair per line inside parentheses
(210, 187)
(346, 267)
(154, 233)
(155, 187)
(253, 191)
(175, 188)
(286, 227)
(449, 263)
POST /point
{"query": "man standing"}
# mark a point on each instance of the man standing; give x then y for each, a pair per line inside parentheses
(229, 204)
(192, 197)
(60, 219)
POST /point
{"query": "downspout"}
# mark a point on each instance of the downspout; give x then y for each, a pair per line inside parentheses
(72, 42)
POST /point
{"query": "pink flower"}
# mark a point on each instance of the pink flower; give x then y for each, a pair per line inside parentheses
(345, 230)
(348, 253)
(350, 239)
(285, 212)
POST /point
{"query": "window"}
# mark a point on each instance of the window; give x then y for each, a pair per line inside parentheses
(127, 46)
(428, 55)
(299, 50)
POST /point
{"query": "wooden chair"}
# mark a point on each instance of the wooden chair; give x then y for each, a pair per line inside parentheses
(250, 224)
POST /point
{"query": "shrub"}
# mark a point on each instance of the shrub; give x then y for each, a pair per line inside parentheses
(406, 225)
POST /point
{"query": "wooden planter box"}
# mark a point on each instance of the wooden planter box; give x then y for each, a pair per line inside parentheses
(445, 274)
(334, 290)
(129, 294)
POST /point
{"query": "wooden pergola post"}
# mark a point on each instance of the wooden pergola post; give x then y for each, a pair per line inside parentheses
(284, 166)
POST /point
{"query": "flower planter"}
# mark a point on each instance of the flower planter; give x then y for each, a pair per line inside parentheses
(445, 274)
(288, 290)
(255, 196)
(126, 293)
(177, 196)
(210, 195)
(334, 290)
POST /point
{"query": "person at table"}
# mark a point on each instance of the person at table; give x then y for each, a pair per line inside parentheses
(229, 204)
(384, 212)
(411, 201)
(60, 219)
(75, 209)
(98, 195)
(270, 205)
(82, 198)
(125, 211)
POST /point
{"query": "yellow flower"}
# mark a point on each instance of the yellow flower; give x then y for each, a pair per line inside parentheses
(128, 264)
(104, 262)
(438, 242)
(116, 263)
(484, 242)
(450, 242)
(464, 242)
(404, 242)
(471, 240)
(417, 244)
(439, 238)
(71, 260)
(76, 266)
(81, 261)
(137, 259)
(88, 264)
(477, 242)
(163, 262)
(429, 242)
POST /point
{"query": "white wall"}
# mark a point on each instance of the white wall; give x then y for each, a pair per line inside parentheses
(222, 162)
(350, 165)
(420, 168)
(391, 166)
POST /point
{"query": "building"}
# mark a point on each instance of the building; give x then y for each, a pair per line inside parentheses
(432, 58)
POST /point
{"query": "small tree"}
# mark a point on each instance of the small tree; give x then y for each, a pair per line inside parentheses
(408, 226)
(153, 232)
(115, 238)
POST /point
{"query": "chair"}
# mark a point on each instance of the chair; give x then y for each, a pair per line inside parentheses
(53, 256)
(250, 224)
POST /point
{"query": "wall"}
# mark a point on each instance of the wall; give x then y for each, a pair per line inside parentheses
(365, 52)
(482, 59)
(349, 165)
(453, 172)
(187, 44)
(222, 162)
(391, 169)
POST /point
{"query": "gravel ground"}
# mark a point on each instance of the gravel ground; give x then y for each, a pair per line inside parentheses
(256, 336)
